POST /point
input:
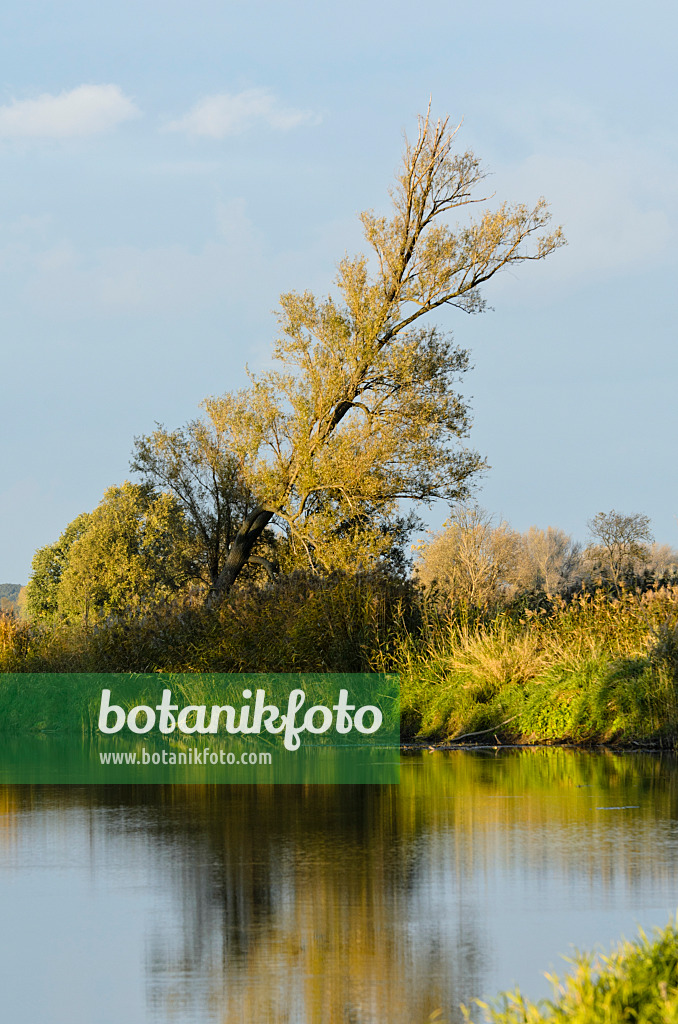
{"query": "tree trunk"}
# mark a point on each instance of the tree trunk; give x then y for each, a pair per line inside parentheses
(238, 555)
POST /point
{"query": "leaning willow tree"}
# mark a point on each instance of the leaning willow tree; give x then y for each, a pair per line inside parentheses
(362, 410)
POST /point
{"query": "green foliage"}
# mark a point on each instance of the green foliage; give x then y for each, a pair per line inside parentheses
(308, 623)
(133, 550)
(47, 568)
(302, 623)
(663, 646)
(593, 670)
(637, 981)
(196, 467)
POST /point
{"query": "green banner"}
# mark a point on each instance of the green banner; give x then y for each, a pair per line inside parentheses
(199, 729)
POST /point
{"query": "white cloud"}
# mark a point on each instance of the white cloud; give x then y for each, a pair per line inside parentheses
(215, 117)
(86, 110)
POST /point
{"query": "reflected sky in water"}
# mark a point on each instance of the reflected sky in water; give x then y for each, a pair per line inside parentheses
(338, 904)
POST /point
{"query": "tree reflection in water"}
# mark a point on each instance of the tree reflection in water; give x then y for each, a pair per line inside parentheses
(366, 904)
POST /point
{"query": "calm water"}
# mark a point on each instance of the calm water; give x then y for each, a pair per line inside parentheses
(344, 904)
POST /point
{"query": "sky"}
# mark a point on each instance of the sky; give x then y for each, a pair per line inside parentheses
(170, 168)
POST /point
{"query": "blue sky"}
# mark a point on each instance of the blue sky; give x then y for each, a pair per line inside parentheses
(170, 168)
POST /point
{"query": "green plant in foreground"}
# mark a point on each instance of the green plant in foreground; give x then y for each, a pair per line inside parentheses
(637, 981)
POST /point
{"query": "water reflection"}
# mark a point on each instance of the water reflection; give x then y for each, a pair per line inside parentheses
(347, 904)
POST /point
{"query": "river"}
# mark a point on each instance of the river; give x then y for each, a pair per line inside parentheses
(360, 904)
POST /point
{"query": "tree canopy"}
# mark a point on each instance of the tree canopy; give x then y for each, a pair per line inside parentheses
(47, 568)
(470, 559)
(194, 464)
(362, 408)
(133, 550)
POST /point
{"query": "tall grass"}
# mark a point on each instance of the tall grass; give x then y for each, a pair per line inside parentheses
(594, 669)
(637, 981)
(304, 624)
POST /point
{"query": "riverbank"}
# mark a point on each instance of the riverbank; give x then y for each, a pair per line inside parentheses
(598, 669)
(599, 701)
(594, 671)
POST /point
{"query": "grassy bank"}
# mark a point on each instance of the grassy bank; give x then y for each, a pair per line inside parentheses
(590, 671)
(598, 668)
(638, 981)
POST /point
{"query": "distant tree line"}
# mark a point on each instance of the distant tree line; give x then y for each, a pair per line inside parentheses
(12, 599)
(476, 560)
(138, 550)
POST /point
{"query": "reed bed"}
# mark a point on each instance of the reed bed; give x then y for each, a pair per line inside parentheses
(598, 668)
(595, 669)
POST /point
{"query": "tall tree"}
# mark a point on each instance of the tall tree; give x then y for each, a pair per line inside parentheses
(363, 410)
(550, 562)
(470, 559)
